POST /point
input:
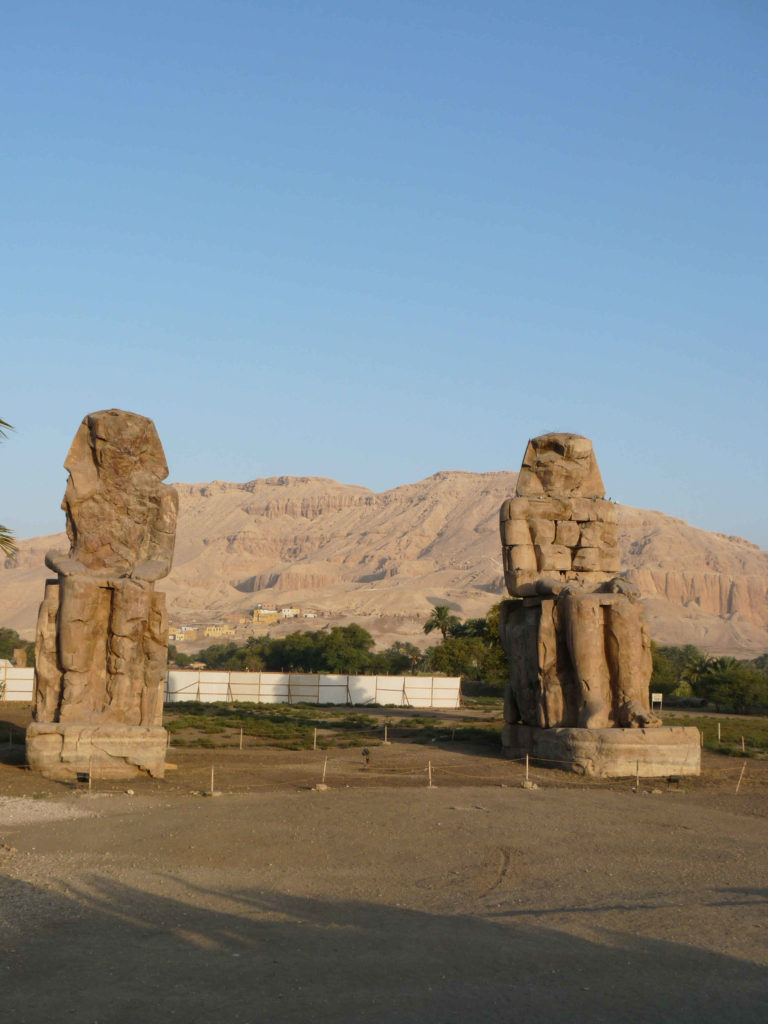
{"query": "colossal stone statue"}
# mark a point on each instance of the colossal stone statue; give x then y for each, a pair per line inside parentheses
(102, 629)
(574, 634)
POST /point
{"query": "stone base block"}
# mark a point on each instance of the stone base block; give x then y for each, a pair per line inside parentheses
(608, 753)
(61, 750)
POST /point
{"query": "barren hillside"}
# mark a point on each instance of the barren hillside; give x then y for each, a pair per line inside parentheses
(347, 552)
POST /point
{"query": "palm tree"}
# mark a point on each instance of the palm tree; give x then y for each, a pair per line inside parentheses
(7, 544)
(697, 666)
(441, 619)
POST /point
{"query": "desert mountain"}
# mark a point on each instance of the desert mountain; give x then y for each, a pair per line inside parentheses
(383, 559)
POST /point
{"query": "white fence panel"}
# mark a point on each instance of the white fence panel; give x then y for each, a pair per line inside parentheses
(282, 688)
(245, 686)
(275, 688)
(214, 686)
(305, 689)
(19, 683)
(181, 686)
(334, 690)
(362, 689)
(390, 689)
(279, 688)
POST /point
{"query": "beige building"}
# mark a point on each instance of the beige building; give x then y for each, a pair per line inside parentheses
(262, 616)
(180, 633)
(219, 631)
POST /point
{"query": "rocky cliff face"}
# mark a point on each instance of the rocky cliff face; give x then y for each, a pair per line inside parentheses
(348, 552)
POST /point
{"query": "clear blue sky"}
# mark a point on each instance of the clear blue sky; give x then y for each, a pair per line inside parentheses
(371, 240)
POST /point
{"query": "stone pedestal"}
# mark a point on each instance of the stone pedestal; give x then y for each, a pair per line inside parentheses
(59, 750)
(608, 753)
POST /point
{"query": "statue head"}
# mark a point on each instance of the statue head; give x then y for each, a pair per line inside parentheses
(114, 448)
(560, 465)
(114, 490)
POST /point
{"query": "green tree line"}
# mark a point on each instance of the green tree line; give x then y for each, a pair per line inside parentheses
(470, 649)
(11, 641)
(728, 683)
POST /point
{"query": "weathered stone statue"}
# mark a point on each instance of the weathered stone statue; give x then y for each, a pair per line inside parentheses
(102, 629)
(574, 634)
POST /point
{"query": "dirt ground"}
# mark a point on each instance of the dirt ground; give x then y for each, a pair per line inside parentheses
(381, 899)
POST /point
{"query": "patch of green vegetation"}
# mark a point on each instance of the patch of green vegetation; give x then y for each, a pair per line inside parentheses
(753, 730)
(290, 726)
(484, 703)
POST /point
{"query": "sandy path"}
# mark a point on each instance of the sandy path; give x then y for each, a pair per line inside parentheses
(401, 905)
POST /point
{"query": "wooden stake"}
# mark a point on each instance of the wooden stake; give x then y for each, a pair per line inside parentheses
(385, 733)
(743, 769)
(718, 732)
(241, 737)
(429, 770)
(314, 741)
(743, 748)
(325, 767)
(211, 778)
(526, 767)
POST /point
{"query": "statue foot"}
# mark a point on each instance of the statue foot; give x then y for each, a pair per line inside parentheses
(635, 716)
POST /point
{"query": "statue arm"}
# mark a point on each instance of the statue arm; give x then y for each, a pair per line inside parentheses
(158, 564)
(149, 570)
(65, 565)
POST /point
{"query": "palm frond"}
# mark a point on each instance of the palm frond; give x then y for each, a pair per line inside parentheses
(7, 543)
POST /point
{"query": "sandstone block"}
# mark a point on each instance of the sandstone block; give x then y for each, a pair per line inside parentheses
(588, 559)
(585, 509)
(553, 557)
(515, 531)
(596, 534)
(522, 556)
(548, 507)
(61, 750)
(611, 560)
(567, 533)
(609, 753)
(543, 531)
(514, 508)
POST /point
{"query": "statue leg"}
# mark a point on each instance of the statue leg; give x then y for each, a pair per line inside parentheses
(629, 654)
(128, 624)
(583, 622)
(47, 670)
(82, 630)
(156, 661)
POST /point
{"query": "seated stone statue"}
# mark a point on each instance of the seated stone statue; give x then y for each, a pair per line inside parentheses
(574, 633)
(102, 628)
